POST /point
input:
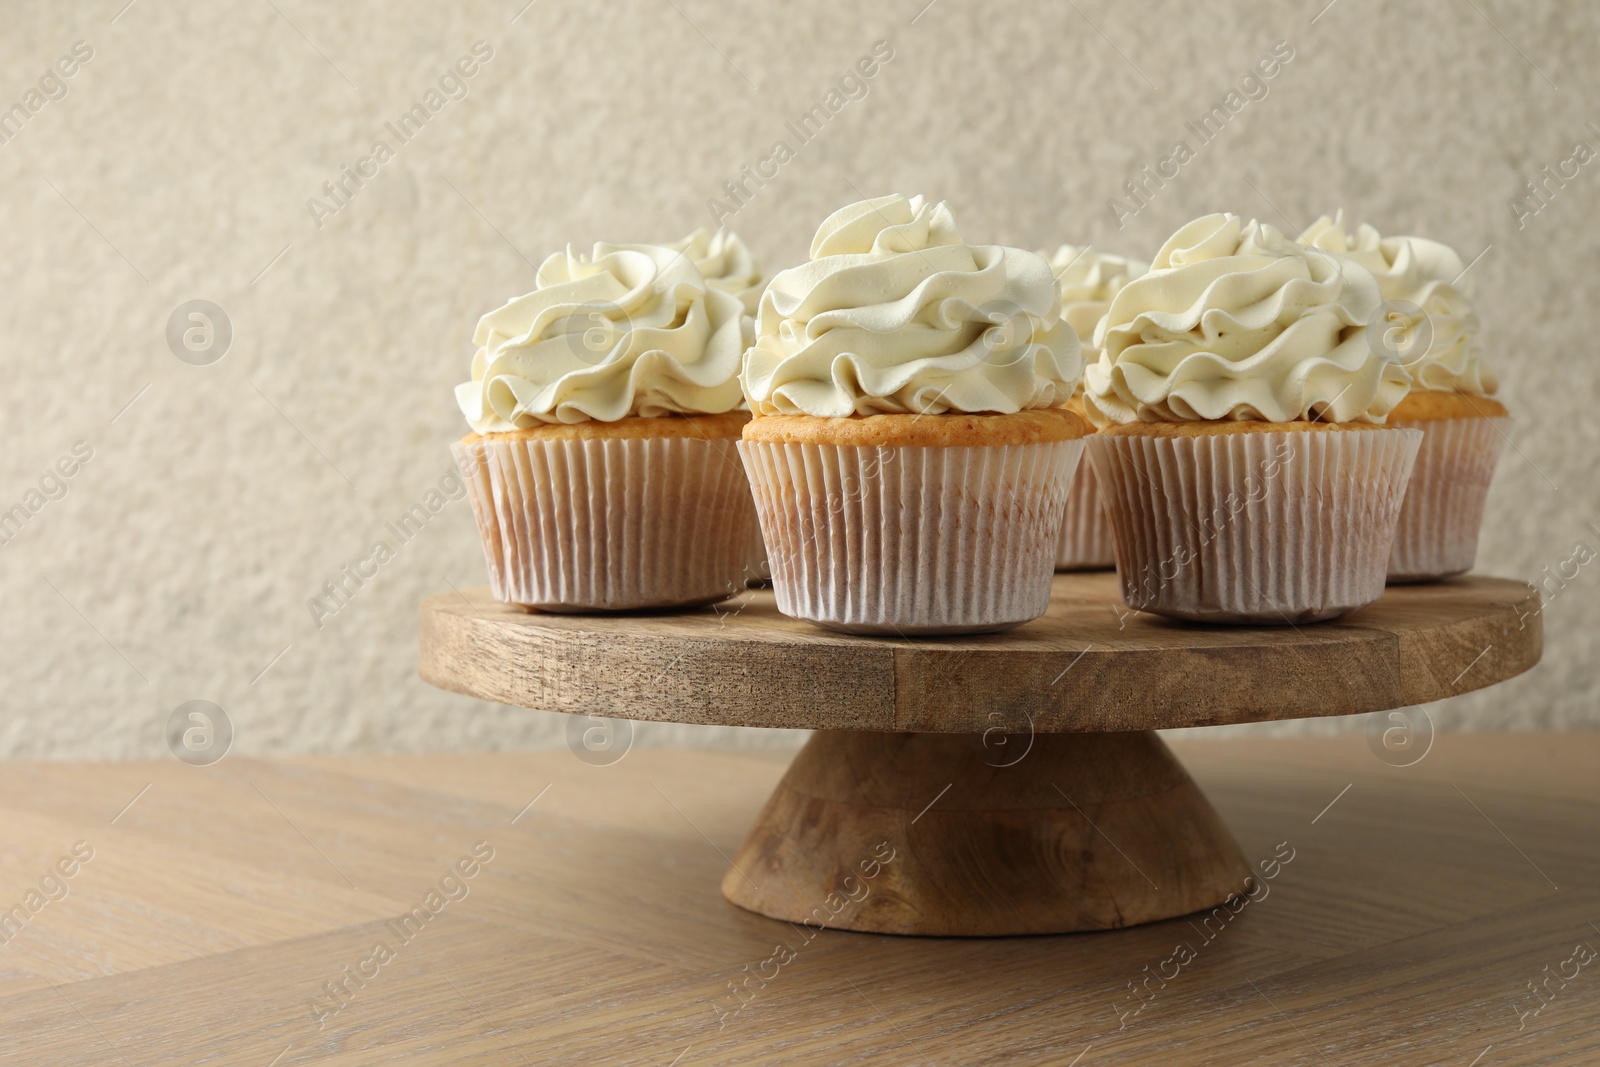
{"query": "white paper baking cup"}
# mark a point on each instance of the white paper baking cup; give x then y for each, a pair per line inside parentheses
(757, 568)
(911, 540)
(1085, 541)
(1269, 527)
(609, 524)
(1437, 535)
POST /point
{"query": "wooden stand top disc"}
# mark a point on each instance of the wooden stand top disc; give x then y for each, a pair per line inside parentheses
(1089, 664)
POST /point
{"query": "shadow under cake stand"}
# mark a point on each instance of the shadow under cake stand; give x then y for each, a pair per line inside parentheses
(1016, 776)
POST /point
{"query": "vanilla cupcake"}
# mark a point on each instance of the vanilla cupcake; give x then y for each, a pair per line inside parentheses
(602, 466)
(1088, 280)
(1242, 449)
(908, 450)
(727, 264)
(1427, 325)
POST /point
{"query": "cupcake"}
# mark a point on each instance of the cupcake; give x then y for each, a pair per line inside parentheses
(1088, 280)
(1241, 446)
(602, 466)
(727, 264)
(1428, 326)
(908, 451)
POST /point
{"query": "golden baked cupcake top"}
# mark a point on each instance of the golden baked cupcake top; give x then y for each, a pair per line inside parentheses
(1236, 322)
(951, 430)
(1231, 426)
(1432, 404)
(896, 314)
(725, 426)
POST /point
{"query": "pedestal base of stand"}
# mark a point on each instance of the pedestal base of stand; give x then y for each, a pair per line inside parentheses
(1084, 832)
(1077, 832)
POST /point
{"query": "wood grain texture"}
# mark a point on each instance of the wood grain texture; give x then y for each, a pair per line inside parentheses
(984, 835)
(1415, 912)
(1088, 665)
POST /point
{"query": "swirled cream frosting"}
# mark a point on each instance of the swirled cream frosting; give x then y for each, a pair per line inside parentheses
(631, 330)
(1235, 321)
(1427, 323)
(895, 313)
(1088, 280)
(725, 263)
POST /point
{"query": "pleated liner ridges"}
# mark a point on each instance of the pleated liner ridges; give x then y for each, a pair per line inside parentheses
(1267, 527)
(1438, 531)
(911, 539)
(757, 570)
(598, 525)
(1085, 541)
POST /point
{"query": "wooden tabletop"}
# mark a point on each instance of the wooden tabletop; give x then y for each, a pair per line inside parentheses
(1423, 915)
(1089, 664)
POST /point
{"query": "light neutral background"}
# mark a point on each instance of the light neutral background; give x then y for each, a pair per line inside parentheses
(220, 498)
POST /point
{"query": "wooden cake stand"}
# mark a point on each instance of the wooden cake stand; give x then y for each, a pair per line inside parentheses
(1014, 778)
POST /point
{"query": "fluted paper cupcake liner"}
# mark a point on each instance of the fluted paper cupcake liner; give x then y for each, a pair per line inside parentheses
(1085, 541)
(1437, 535)
(609, 524)
(1262, 527)
(911, 540)
(757, 568)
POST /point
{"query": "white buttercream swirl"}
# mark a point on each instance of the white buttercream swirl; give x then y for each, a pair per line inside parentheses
(1237, 322)
(725, 263)
(1428, 323)
(895, 313)
(631, 330)
(1088, 280)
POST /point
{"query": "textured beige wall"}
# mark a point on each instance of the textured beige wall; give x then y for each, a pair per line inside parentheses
(179, 164)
